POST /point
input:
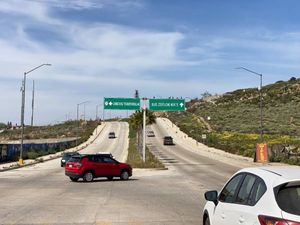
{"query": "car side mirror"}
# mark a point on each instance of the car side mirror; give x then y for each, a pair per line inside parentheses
(211, 196)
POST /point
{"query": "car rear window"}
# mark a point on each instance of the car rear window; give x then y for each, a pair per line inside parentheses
(75, 159)
(67, 155)
(288, 199)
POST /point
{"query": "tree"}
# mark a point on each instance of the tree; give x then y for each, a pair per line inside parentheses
(136, 119)
(206, 94)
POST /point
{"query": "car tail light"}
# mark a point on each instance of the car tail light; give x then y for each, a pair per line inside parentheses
(268, 220)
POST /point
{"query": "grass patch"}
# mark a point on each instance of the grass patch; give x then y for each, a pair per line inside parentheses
(134, 158)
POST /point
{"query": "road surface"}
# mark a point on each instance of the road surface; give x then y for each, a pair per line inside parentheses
(42, 194)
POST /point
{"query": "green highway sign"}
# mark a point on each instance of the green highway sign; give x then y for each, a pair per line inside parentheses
(122, 103)
(167, 104)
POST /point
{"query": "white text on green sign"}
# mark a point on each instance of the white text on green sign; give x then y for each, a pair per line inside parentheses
(167, 104)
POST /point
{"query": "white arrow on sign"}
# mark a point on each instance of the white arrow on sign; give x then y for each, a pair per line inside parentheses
(106, 103)
(181, 104)
(110, 103)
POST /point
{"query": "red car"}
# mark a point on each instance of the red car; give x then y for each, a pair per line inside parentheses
(89, 167)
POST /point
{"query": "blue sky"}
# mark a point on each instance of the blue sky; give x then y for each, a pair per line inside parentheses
(109, 48)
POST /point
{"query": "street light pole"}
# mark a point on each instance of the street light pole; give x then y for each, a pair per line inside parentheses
(23, 108)
(97, 111)
(261, 101)
(78, 119)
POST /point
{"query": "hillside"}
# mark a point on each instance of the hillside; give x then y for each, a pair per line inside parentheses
(232, 120)
(239, 110)
(63, 130)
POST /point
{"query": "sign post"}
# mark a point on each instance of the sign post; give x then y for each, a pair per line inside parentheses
(144, 129)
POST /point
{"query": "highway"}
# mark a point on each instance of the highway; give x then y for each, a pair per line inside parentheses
(42, 194)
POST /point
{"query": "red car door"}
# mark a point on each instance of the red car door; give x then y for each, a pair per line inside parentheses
(110, 166)
(92, 164)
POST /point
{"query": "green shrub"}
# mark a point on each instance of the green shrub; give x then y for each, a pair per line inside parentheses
(32, 155)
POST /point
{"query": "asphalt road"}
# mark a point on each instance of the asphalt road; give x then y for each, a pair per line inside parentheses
(205, 172)
(42, 194)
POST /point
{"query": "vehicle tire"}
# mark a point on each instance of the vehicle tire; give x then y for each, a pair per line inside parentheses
(124, 175)
(110, 178)
(88, 176)
(206, 222)
(74, 179)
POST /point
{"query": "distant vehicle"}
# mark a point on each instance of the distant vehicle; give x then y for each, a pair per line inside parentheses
(105, 153)
(168, 140)
(92, 166)
(256, 196)
(150, 133)
(66, 156)
(111, 135)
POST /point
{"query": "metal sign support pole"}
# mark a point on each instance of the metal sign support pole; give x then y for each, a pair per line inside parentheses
(144, 129)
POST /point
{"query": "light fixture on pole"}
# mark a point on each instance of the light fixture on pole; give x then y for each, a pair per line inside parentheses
(261, 101)
(23, 109)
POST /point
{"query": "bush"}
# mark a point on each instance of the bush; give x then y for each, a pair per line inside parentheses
(32, 155)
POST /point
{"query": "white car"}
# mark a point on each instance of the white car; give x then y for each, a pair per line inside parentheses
(256, 196)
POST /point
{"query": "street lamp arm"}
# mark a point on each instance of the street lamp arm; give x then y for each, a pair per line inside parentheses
(83, 103)
(243, 68)
(44, 64)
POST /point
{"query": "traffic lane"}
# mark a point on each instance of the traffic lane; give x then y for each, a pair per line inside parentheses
(206, 171)
(155, 197)
(117, 146)
(52, 167)
(53, 199)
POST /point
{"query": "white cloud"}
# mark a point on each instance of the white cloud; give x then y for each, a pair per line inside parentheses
(28, 9)
(101, 59)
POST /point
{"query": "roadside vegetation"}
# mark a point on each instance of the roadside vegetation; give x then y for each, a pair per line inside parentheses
(63, 130)
(69, 129)
(2, 126)
(134, 153)
(232, 121)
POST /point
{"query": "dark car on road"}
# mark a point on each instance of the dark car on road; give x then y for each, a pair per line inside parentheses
(66, 156)
(92, 166)
(150, 133)
(168, 140)
(111, 135)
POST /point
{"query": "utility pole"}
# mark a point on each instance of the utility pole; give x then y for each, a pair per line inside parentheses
(78, 122)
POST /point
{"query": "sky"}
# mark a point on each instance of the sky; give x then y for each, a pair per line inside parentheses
(162, 48)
